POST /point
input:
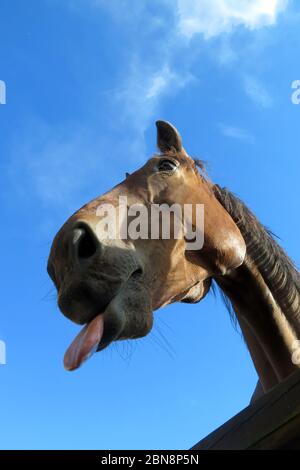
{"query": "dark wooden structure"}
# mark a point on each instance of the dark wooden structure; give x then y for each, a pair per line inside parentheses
(273, 422)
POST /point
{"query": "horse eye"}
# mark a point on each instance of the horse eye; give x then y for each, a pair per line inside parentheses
(166, 164)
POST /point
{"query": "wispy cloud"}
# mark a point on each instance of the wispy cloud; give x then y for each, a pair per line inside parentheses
(214, 17)
(236, 133)
(160, 63)
(257, 91)
(141, 96)
(57, 165)
(149, 81)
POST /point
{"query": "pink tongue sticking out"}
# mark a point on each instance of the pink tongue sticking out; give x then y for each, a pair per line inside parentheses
(85, 344)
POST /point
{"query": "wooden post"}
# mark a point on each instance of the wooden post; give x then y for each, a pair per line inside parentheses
(273, 422)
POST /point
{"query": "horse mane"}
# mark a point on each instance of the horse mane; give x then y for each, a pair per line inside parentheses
(277, 269)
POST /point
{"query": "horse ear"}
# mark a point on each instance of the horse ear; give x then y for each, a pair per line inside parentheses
(168, 137)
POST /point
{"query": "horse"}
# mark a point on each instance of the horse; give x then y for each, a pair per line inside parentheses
(113, 284)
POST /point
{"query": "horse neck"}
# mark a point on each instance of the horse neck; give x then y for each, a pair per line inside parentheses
(265, 295)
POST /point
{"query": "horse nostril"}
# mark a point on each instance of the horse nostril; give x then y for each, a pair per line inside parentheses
(86, 246)
(137, 273)
(84, 242)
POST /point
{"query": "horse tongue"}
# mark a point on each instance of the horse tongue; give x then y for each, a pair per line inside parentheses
(85, 344)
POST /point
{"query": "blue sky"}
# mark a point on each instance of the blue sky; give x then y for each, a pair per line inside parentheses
(86, 80)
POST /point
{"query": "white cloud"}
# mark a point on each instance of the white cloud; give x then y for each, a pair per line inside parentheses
(236, 133)
(141, 95)
(214, 17)
(258, 92)
(158, 64)
(158, 84)
(151, 78)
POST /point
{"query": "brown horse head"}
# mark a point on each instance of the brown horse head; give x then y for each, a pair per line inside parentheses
(112, 284)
